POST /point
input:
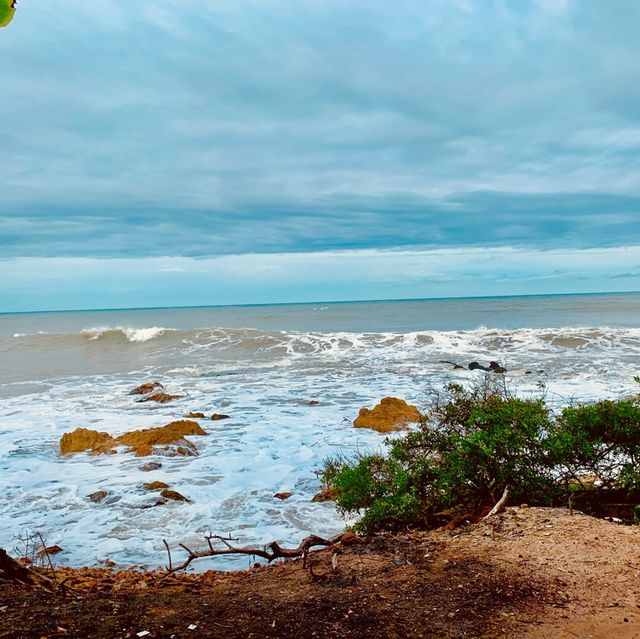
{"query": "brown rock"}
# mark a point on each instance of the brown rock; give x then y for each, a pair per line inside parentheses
(155, 485)
(49, 550)
(328, 493)
(161, 398)
(349, 538)
(284, 495)
(389, 415)
(216, 416)
(175, 495)
(313, 402)
(143, 389)
(140, 442)
(85, 439)
(195, 415)
(98, 496)
(145, 468)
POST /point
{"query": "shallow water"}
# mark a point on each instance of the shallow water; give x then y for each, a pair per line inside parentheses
(261, 365)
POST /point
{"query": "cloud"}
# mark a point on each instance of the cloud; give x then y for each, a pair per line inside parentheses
(189, 128)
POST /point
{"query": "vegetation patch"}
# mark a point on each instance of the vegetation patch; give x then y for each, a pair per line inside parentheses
(477, 441)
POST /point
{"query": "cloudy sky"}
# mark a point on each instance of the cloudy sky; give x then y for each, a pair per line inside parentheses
(163, 152)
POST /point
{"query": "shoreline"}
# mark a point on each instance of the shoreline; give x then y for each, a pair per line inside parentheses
(533, 572)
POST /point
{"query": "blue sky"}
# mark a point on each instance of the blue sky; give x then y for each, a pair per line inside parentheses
(163, 152)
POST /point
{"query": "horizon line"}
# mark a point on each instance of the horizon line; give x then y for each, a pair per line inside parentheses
(365, 301)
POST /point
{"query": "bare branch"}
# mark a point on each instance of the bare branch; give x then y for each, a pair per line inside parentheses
(499, 507)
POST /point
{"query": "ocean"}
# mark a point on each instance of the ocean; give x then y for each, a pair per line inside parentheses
(266, 367)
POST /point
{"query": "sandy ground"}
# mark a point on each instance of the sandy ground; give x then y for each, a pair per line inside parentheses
(531, 572)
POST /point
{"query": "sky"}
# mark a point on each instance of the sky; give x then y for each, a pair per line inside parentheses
(181, 152)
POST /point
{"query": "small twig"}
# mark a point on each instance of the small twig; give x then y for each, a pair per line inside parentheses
(166, 545)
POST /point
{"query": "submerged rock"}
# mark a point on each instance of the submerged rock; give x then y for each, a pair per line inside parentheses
(146, 468)
(155, 485)
(99, 495)
(283, 495)
(389, 415)
(143, 389)
(160, 397)
(194, 415)
(328, 493)
(170, 438)
(216, 416)
(174, 495)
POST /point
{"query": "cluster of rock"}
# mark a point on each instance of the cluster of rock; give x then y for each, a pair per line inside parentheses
(493, 367)
(166, 440)
(391, 414)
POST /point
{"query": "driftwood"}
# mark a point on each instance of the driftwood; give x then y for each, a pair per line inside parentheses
(499, 507)
(269, 552)
(11, 570)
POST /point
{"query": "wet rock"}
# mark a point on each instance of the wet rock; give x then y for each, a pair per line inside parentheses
(283, 495)
(170, 439)
(143, 389)
(389, 415)
(216, 416)
(476, 366)
(497, 368)
(82, 439)
(328, 493)
(313, 402)
(49, 550)
(155, 485)
(145, 468)
(174, 495)
(194, 415)
(99, 495)
(161, 398)
(143, 442)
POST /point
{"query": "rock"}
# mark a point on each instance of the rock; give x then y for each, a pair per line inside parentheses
(98, 496)
(328, 493)
(389, 415)
(49, 550)
(174, 495)
(216, 416)
(283, 495)
(313, 402)
(140, 442)
(497, 368)
(195, 415)
(143, 389)
(475, 366)
(161, 398)
(145, 468)
(349, 538)
(85, 439)
(155, 485)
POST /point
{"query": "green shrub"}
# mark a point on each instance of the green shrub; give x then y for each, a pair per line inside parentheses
(479, 440)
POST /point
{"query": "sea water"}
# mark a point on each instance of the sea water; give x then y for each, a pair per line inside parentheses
(266, 367)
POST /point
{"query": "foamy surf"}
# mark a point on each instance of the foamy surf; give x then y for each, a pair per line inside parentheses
(131, 334)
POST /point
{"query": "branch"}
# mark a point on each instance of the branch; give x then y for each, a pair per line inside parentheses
(499, 507)
(10, 569)
(270, 552)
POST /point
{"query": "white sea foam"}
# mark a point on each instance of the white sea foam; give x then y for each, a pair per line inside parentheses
(131, 334)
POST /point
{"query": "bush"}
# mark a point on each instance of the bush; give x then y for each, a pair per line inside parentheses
(479, 440)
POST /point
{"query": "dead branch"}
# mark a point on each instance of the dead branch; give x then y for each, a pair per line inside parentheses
(13, 571)
(499, 507)
(269, 552)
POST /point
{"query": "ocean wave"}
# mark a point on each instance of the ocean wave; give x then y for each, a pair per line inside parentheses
(131, 334)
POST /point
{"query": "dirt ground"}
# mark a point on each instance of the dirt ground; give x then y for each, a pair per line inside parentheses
(533, 573)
